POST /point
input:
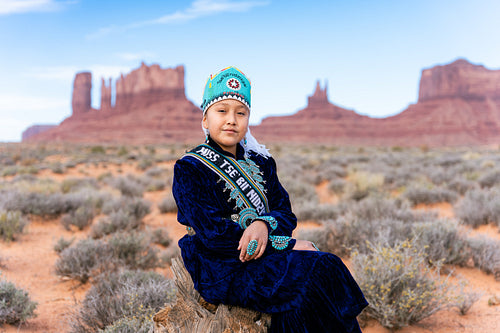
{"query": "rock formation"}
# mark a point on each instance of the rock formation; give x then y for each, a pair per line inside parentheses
(82, 86)
(459, 104)
(34, 130)
(150, 107)
(459, 79)
(320, 121)
(148, 85)
(105, 96)
(319, 97)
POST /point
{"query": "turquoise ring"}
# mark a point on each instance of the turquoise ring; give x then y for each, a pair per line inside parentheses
(252, 247)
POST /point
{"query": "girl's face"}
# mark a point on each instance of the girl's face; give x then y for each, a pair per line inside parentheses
(227, 122)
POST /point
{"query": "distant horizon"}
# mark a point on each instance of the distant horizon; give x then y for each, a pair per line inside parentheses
(371, 53)
(322, 85)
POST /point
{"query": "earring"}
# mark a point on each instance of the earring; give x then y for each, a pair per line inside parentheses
(206, 138)
(245, 155)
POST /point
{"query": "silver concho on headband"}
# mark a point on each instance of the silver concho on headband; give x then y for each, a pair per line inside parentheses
(233, 83)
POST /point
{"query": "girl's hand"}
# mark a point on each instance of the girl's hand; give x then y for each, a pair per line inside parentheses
(255, 231)
(304, 245)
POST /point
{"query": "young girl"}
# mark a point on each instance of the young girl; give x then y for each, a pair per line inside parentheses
(239, 248)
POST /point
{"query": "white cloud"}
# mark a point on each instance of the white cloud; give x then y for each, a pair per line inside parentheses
(25, 6)
(197, 9)
(201, 8)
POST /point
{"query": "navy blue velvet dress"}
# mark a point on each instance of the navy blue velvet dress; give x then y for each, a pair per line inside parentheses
(305, 291)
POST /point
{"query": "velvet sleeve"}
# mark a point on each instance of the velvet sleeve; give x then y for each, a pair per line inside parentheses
(198, 207)
(279, 201)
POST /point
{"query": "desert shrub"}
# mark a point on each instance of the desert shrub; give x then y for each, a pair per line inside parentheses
(337, 186)
(88, 196)
(128, 185)
(169, 253)
(131, 325)
(400, 176)
(144, 163)
(123, 299)
(343, 235)
(485, 254)
(299, 190)
(494, 205)
(57, 168)
(74, 184)
(399, 286)
(374, 219)
(50, 205)
(30, 169)
(332, 170)
(355, 233)
(90, 257)
(122, 151)
(80, 217)
(63, 243)
(136, 207)
(490, 179)
(119, 220)
(442, 241)
(379, 208)
(70, 164)
(97, 150)
(311, 211)
(461, 185)
(9, 171)
(161, 236)
(133, 250)
(478, 207)
(30, 183)
(323, 237)
(155, 185)
(15, 304)
(447, 160)
(464, 299)
(440, 176)
(86, 258)
(362, 183)
(167, 205)
(156, 172)
(157, 178)
(422, 195)
(11, 224)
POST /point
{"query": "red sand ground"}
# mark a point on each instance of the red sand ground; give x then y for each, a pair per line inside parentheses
(29, 263)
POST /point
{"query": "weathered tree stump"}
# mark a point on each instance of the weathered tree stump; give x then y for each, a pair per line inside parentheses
(191, 314)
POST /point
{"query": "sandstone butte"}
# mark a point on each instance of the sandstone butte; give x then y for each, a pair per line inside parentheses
(458, 105)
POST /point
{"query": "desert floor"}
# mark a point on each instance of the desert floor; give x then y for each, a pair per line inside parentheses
(29, 263)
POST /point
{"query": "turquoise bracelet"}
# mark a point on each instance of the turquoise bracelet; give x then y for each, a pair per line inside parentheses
(270, 220)
(279, 242)
(246, 217)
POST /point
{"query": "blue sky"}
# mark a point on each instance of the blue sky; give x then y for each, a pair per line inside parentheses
(370, 52)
